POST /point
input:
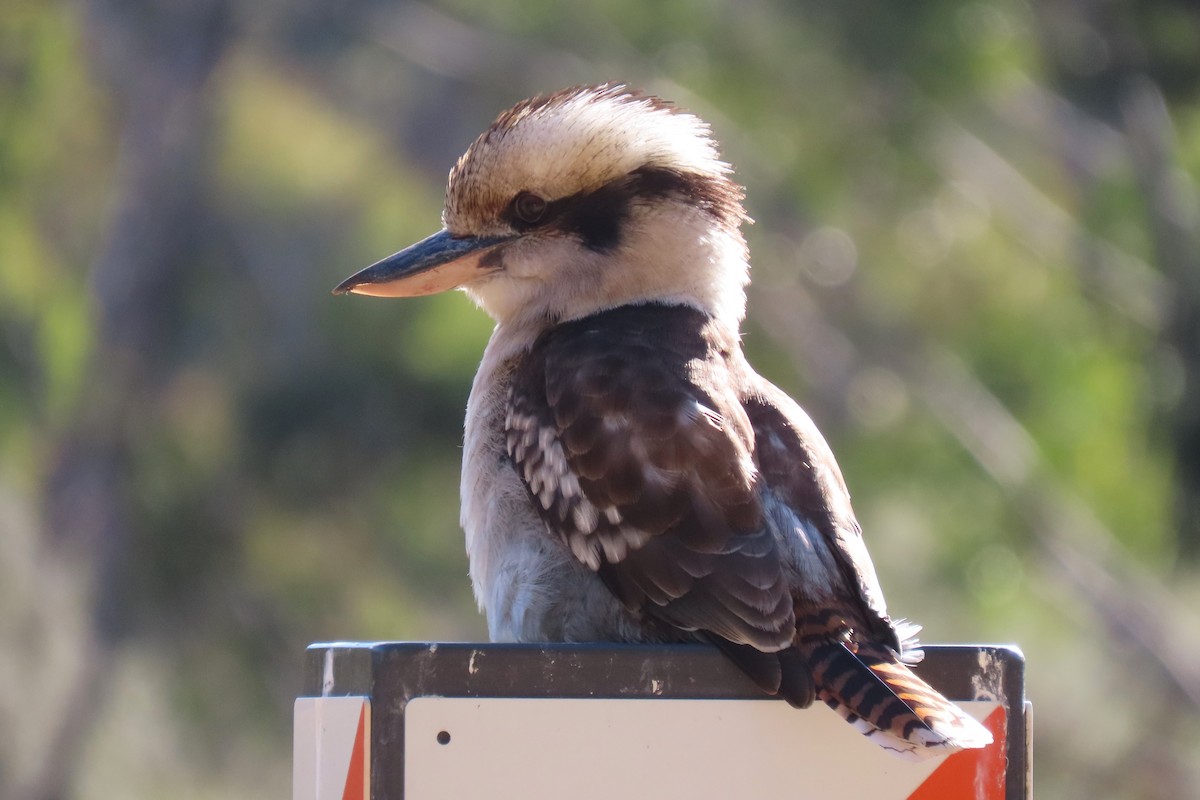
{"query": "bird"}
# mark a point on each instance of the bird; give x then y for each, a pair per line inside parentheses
(627, 475)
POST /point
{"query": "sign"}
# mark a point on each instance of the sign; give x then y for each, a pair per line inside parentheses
(424, 721)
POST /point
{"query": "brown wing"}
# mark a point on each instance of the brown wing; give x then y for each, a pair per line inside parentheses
(631, 439)
(799, 469)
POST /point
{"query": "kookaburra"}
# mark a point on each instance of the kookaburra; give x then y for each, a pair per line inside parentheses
(627, 476)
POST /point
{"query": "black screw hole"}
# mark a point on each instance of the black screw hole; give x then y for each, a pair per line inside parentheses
(443, 737)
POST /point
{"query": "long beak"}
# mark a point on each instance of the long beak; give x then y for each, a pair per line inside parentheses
(434, 264)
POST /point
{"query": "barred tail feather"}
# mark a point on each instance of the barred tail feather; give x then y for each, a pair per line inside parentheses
(882, 698)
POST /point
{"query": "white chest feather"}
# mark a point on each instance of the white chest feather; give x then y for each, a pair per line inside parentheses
(525, 579)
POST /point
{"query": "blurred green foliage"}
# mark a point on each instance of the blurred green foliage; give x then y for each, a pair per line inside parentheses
(207, 462)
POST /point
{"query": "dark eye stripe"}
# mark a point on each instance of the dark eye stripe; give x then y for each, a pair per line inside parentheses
(597, 216)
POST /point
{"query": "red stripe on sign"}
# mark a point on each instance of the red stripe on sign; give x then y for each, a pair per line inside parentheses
(356, 788)
(972, 774)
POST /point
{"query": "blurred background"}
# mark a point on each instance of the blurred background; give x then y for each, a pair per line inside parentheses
(977, 264)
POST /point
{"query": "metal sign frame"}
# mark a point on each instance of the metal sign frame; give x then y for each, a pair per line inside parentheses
(369, 686)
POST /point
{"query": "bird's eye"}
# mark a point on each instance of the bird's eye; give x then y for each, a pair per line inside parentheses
(528, 207)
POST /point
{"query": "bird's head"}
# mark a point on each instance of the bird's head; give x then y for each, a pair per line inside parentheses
(578, 201)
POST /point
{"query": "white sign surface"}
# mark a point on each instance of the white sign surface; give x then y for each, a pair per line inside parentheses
(331, 746)
(597, 749)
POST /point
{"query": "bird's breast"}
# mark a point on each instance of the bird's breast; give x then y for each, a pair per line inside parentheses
(525, 579)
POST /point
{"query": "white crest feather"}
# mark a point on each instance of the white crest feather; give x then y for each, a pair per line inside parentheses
(574, 141)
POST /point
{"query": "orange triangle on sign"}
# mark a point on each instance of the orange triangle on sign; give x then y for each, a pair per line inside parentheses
(356, 788)
(975, 774)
